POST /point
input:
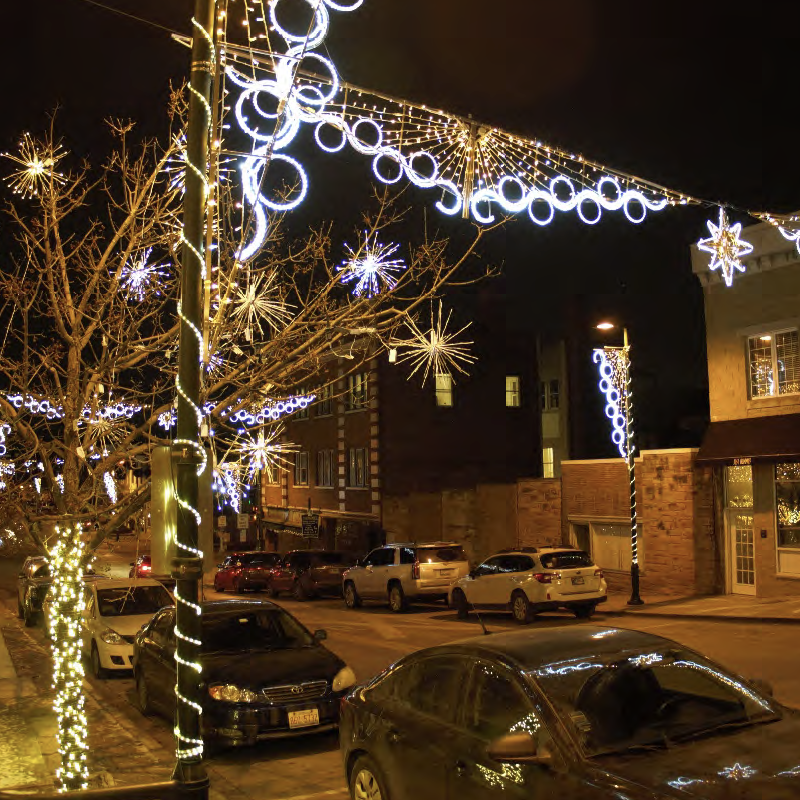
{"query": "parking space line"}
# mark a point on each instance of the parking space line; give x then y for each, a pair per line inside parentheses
(324, 793)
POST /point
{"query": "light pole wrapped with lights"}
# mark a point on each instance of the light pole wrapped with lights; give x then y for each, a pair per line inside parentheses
(614, 366)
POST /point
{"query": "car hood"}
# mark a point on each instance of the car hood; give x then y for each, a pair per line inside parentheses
(257, 669)
(126, 625)
(760, 762)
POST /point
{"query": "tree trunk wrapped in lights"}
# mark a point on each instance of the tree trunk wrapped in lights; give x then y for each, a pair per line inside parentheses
(66, 562)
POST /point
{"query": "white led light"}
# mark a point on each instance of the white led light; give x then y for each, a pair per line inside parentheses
(726, 247)
(312, 38)
(335, 123)
(370, 265)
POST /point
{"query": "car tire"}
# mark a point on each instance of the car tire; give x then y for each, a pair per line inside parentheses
(397, 598)
(460, 604)
(298, 591)
(367, 781)
(20, 609)
(98, 670)
(351, 598)
(217, 587)
(143, 701)
(237, 586)
(521, 607)
(29, 617)
(583, 611)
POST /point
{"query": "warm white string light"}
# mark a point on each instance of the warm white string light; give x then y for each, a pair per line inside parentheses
(38, 162)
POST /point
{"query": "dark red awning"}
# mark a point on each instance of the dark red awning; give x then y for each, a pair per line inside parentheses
(774, 438)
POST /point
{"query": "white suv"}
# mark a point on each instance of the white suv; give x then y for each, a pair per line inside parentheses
(404, 572)
(530, 580)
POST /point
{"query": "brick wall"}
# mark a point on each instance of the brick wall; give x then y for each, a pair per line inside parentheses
(539, 512)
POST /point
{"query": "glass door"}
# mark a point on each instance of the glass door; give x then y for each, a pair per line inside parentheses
(741, 556)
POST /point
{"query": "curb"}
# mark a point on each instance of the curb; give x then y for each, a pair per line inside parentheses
(704, 617)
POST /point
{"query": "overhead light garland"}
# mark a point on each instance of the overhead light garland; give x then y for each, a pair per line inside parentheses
(37, 167)
(369, 266)
(726, 247)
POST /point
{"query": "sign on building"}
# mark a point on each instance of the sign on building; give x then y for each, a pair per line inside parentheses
(242, 521)
(310, 524)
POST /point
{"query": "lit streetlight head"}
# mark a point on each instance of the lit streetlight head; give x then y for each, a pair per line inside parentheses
(605, 326)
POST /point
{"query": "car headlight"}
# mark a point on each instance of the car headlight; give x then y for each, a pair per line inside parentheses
(111, 637)
(232, 694)
(344, 679)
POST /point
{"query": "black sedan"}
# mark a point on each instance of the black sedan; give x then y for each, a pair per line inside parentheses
(579, 713)
(264, 674)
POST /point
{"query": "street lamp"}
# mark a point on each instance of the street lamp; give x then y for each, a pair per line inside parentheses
(614, 365)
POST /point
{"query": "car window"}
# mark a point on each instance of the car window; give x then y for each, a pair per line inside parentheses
(429, 555)
(433, 685)
(40, 571)
(131, 600)
(301, 561)
(569, 559)
(162, 631)
(407, 555)
(382, 557)
(489, 567)
(263, 560)
(264, 629)
(497, 705)
(514, 563)
(332, 559)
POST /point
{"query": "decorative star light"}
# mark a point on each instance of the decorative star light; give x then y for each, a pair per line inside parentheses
(726, 247)
(737, 772)
(138, 277)
(166, 419)
(175, 167)
(437, 349)
(38, 167)
(369, 265)
(266, 453)
(259, 302)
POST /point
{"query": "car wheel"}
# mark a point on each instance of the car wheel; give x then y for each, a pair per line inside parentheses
(97, 669)
(20, 609)
(397, 598)
(367, 781)
(351, 598)
(299, 592)
(583, 611)
(521, 608)
(460, 604)
(143, 695)
(270, 590)
(29, 617)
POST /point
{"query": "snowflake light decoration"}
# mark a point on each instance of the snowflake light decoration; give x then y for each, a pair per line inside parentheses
(726, 247)
(37, 167)
(259, 302)
(437, 350)
(266, 453)
(166, 419)
(139, 277)
(369, 265)
(737, 772)
(6, 468)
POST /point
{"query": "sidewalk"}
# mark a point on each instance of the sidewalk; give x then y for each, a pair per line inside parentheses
(729, 607)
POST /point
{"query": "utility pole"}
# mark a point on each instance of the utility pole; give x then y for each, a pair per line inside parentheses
(187, 567)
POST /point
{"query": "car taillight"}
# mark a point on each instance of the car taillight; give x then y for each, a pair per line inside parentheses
(598, 573)
(415, 571)
(145, 568)
(545, 577)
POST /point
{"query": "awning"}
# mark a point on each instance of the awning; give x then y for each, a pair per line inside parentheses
(776, 437)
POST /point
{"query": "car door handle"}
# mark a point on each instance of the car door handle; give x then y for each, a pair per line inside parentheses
(461, 769)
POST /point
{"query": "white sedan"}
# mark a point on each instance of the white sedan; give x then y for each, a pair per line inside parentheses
(115, 611)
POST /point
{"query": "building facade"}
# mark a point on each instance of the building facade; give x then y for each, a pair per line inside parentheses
(753, 441)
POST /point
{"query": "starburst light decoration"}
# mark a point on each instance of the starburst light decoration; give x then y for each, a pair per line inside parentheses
(266, 453)
(139, 277)
(436, 349)
(726, 247)
(106, 426)
(259, 302)
(370, 265)
(37, 167)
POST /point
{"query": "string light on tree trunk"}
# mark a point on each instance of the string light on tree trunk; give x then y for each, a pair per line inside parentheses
(726, 247)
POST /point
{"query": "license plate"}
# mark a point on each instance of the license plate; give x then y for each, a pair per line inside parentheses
(304, 718)
(446, 572)
(578, 581)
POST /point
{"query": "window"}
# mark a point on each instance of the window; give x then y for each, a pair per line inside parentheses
(787, 492)
(301, 468)
(515, 563)
(550, 395)
(512, 391)
(301, 413)
(548, 463)
(611, 545)
(358, 467)
(270, 475)
(357, 396)
(444, 389)
(325, 462)
(774, 364)
(325, 401)
(382, 557)
(571, 559)
(434, 685)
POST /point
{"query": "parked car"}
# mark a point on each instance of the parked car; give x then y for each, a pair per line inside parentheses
(264, 674)
(585, 713)
(402, 573)
(33, 582)
(308, 573)
(47, 603)
(141, 568)
(115, 611)
(528, 581)
(240, 572)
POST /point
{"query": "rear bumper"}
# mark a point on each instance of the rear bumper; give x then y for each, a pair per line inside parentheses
(574, 602)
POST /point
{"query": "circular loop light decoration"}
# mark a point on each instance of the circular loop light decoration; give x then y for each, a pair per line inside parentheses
(364, 147)
(512, 205)
(396, 158)
(423, 181)
(450, 188)
(613, 366)
(589, 197)
(326, 147)
(341, 7)
(310, 39)
(541, 197)
(322, 98)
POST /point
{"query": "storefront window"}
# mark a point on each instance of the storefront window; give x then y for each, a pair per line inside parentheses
(787, 493)
(739, 487)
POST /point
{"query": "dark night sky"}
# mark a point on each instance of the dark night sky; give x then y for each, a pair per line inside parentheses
(701, 100)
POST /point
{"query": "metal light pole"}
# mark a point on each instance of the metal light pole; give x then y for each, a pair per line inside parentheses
(615, 381)
(187, 568)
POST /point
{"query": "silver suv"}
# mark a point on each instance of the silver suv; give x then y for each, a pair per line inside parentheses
(403, 572)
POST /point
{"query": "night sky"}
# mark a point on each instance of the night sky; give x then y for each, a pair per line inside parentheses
(697, 97)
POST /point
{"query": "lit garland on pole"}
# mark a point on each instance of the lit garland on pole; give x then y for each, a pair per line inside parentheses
(66, 561)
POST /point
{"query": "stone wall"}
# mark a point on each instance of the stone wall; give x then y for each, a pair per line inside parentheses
(539, 512)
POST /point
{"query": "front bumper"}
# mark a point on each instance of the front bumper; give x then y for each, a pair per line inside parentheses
(115, 656)
(246, 724)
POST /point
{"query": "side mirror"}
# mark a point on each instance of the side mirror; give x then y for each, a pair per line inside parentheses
(519, 748)
(765, 687)
(320, 635)
(473, 573)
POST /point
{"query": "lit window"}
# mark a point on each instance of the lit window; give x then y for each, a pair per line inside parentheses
(512, 391)
(301, 468)
(357, 467)
(774, 363)
(548, 460)
(325, 401)
(357, 396)
(325, 461)
(444, 389)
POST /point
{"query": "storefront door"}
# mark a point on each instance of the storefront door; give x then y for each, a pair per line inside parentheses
(741, 551)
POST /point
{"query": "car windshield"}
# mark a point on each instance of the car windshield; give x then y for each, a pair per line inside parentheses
(265, 560)
(627, 701)
(264, 629)
(566, 560)
(333, 559)
(126, 601)
(428, 555)
(41, 571)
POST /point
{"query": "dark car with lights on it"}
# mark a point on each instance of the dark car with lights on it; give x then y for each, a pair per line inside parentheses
(264, 674)
(580, 712)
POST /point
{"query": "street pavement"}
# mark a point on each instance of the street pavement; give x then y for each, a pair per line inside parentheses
(128, 747)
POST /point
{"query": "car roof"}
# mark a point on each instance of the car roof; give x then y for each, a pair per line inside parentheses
(215, 607)
(529, 551)
(126, 583)
(532, 649)
(423, 544)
